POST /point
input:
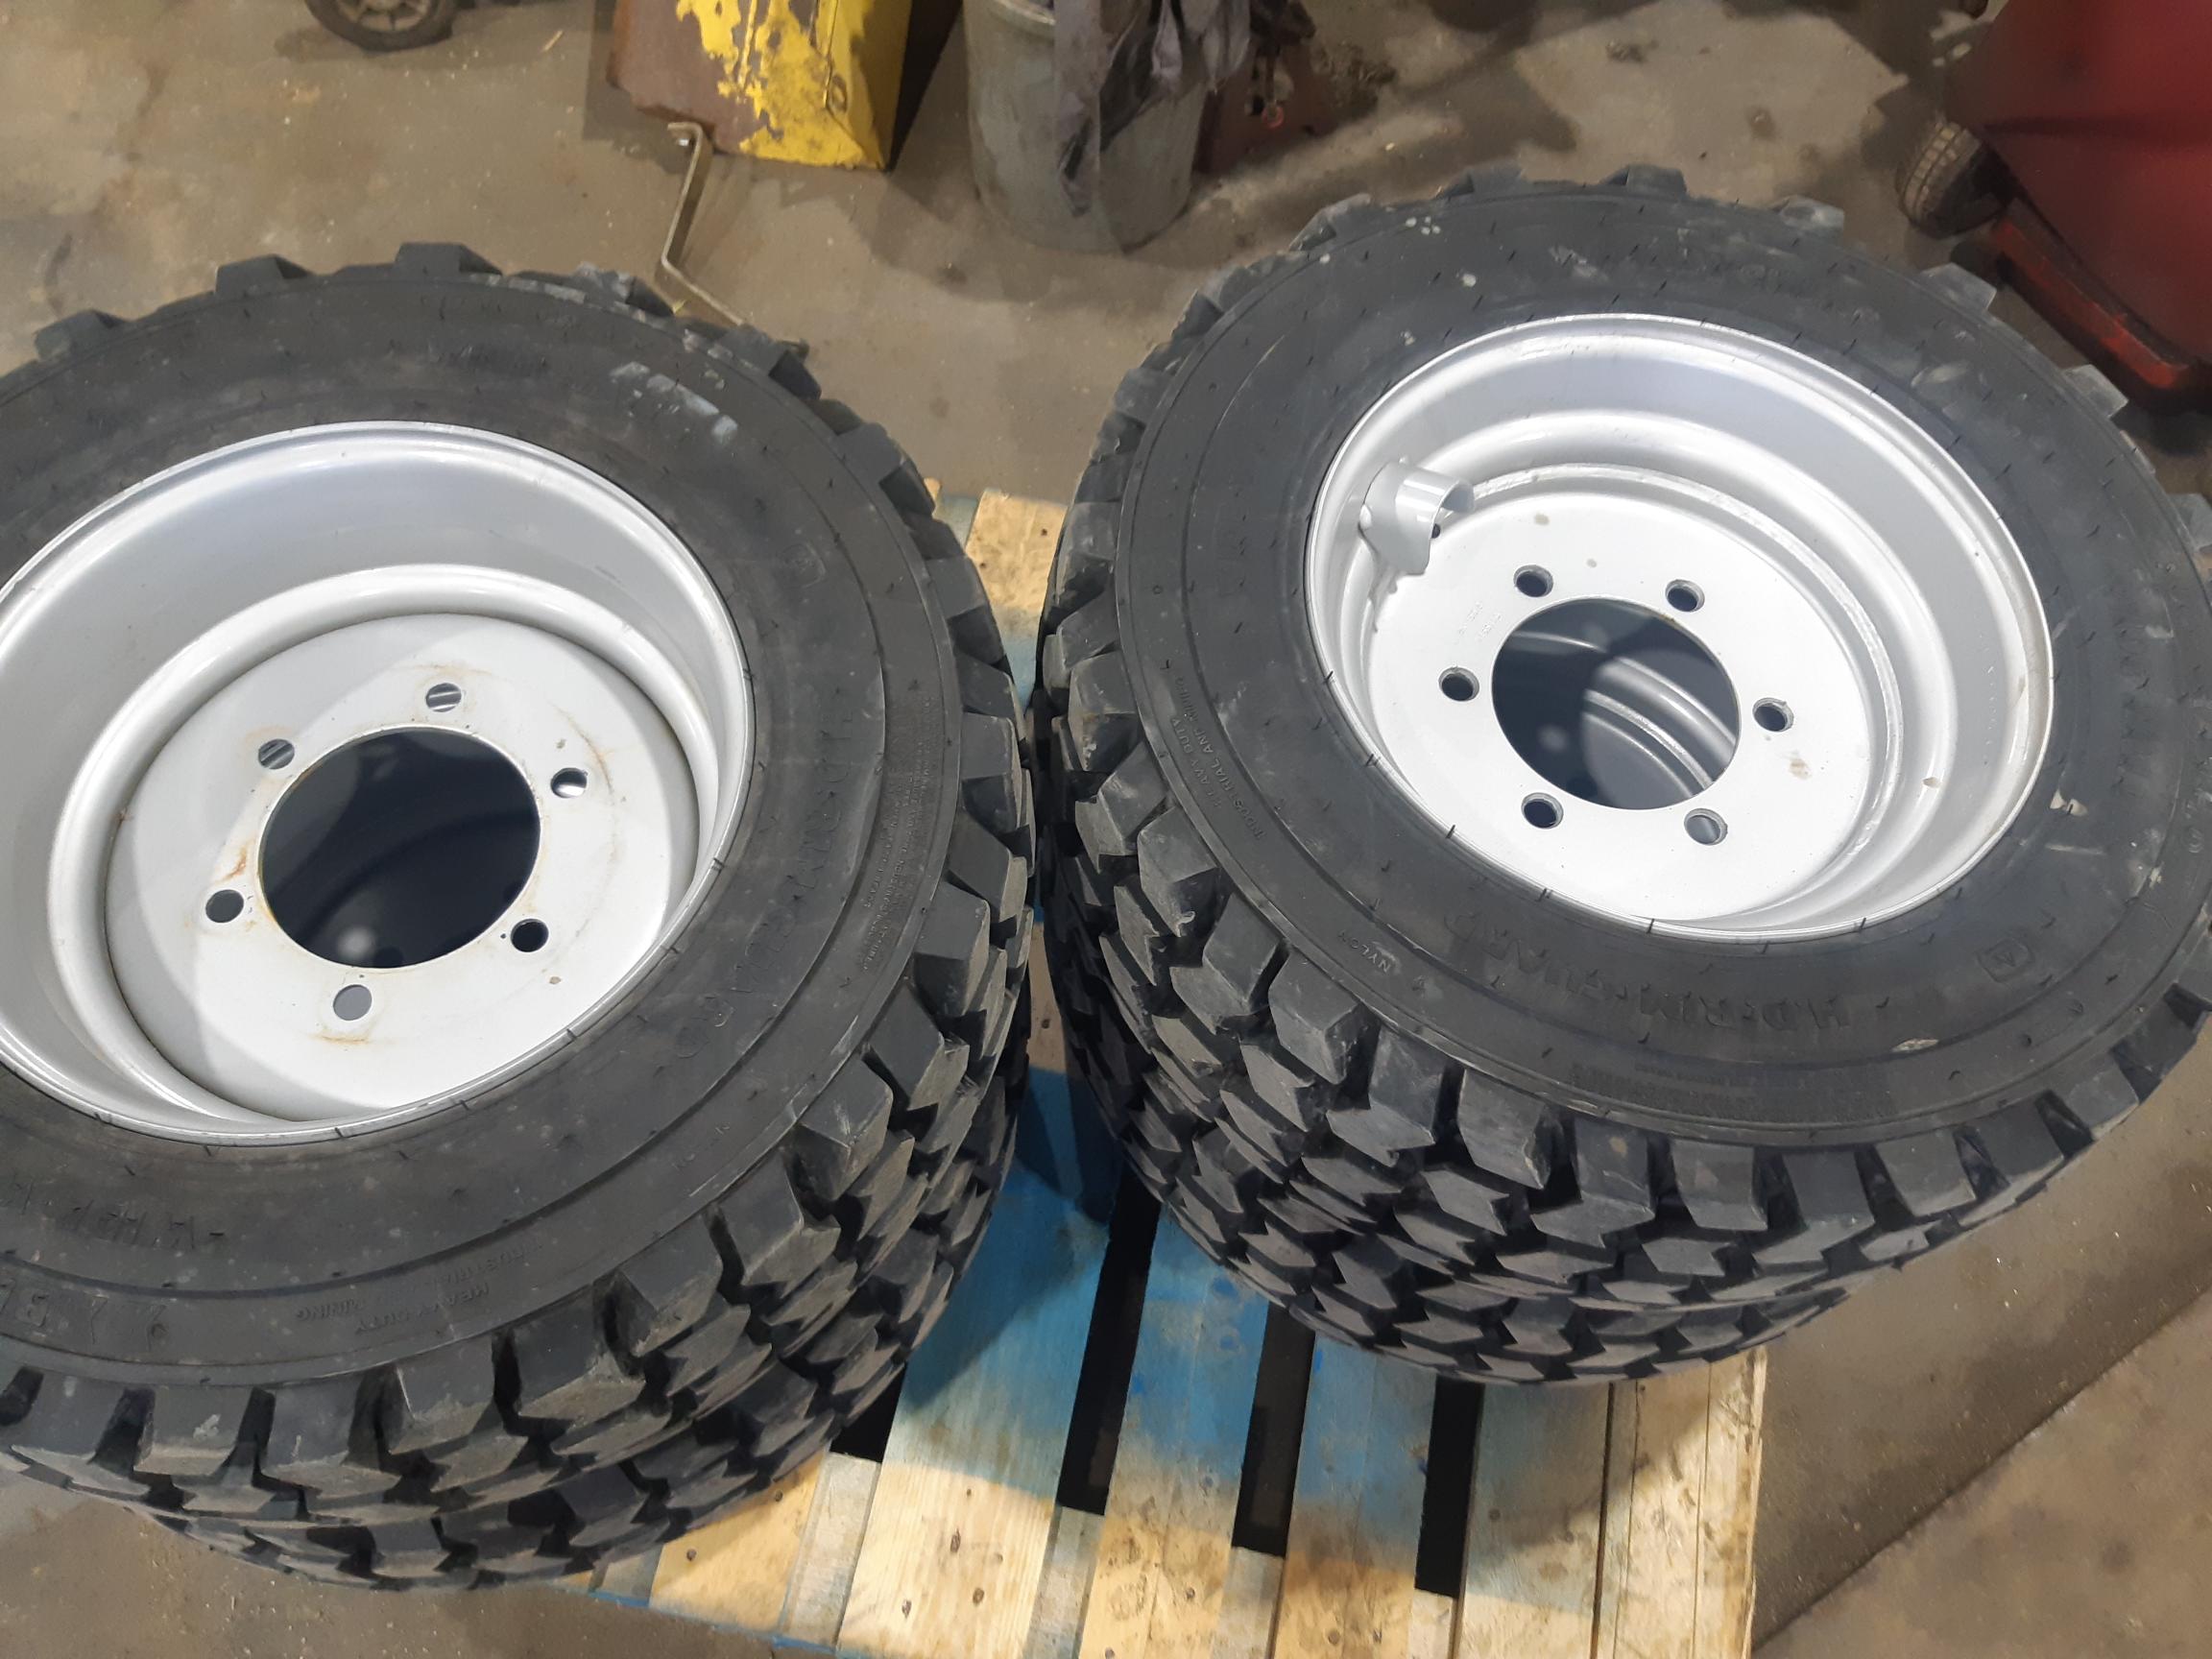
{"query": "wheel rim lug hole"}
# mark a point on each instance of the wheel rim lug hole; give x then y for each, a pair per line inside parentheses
(570, 782)
(1455, 684)
(275, 754)
(1542, 811)
(529, 934)
(1771, 714)
(224, 905)
(1685, 595)
(1706, 828)
(442, 698)
(1532, 580)
(351, 1002)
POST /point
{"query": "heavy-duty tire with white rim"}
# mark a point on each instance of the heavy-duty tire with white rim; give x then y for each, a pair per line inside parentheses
(518, 920)
(1612, 767)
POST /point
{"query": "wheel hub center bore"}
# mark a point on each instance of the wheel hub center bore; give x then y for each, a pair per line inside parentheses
(400, 848)
(1680, 626)
(389, 859)
(1615, 704)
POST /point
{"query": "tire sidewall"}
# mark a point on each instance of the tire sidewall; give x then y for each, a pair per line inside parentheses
(2057, 941)
(140, 1256)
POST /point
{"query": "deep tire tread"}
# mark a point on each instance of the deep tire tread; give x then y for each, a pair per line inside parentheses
(1386, 1194)
(730, 1350)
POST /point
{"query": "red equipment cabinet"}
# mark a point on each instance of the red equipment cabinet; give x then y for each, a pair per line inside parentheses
(2100, 114)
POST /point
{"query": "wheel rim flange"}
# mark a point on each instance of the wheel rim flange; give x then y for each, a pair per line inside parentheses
(278, 546)
(1845, 570)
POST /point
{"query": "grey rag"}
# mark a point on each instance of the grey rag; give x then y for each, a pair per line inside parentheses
(1114, 59)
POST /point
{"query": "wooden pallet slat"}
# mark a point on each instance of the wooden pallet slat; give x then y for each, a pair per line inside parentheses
(1681, 1495)
(1728, 1506)
(1529, 1589)
(954, 1549)
(1011, 541)
(1428, 1627)
(1654, 1488)
(737, 1569)
(1164, 1550)
(1356, 1510)
(629, 1580)
(1248, 1600)
(829, 1553)
(1056, 1631)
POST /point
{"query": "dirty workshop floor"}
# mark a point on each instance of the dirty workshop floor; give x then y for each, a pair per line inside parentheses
(143, 141)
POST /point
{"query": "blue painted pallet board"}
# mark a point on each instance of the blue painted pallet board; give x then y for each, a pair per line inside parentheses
(964, 1508)
(1163, 1569)
(1608, 1523)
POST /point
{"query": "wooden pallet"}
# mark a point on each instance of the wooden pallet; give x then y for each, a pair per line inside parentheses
(1571, 1523)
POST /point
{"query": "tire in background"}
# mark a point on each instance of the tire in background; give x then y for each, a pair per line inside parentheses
(659, 1266)
(1950, 181)
(393, 27)
(1408, 1098)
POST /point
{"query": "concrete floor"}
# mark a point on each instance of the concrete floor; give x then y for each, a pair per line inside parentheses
(148, 140)
(83, 1578)
(144, 141)
(2028, 1560)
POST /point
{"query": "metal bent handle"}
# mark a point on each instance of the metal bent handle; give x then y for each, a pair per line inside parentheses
(694, 138)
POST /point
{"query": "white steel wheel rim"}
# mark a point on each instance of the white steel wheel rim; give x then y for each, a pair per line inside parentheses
(1604, 510)
(272, 709)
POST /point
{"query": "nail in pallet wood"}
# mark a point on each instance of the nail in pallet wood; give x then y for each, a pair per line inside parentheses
(1588, 1524)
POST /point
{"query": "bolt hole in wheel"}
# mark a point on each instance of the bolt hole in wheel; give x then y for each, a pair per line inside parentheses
(353, 1001)
(384, 592)
(1457, 684)
(398, 848)
(1542, 811)
(1626, 470)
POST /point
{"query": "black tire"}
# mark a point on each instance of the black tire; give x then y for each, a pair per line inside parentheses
(1410, 1100)
(1951, 181)
(395, 29)
(662, 1266)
